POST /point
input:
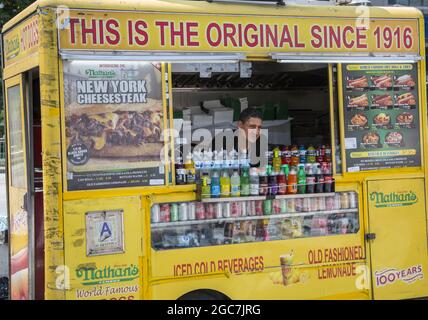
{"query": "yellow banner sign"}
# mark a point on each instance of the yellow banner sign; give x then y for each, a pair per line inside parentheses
(21, 41)
(233, 33)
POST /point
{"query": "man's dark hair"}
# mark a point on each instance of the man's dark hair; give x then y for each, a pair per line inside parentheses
(250, 113)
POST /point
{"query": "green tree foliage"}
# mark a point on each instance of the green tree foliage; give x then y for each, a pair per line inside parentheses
(9, 9)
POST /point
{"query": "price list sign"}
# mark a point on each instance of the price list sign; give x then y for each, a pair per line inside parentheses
(381, 116)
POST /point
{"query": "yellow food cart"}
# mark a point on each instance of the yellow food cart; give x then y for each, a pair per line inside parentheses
(96, 94)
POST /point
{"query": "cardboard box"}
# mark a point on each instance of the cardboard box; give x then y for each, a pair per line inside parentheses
(201, 120)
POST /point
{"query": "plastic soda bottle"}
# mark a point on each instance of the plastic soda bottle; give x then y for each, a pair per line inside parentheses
(206, 188)
(225, 184)
(215, 185)
(254, 182)
(245, 183)
(295, 156)
(302, 154)
(285, 169)
(311, 154)
(292, 181)
(276, 161)
(286, 155)
(235, 184)
(301, 180)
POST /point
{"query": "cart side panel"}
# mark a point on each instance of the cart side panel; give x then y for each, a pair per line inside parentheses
(103, 248)
(51, 146)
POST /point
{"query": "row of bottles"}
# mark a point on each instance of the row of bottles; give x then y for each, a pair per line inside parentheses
(309, 178)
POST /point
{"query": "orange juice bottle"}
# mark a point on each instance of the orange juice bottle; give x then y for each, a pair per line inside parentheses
(295, 156)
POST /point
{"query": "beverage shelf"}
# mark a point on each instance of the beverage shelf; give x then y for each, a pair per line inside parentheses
(285, 196)
(161, 225)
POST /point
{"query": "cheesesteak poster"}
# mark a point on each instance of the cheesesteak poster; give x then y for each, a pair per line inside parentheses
(113, 124)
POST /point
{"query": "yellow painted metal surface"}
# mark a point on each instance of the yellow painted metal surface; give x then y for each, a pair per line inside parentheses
(115, 276)
(51, 156)
(312, 264)
(22, 41)
(183, 6)
(17, 185)
(322, 267)
(396, 213)
(102, 30)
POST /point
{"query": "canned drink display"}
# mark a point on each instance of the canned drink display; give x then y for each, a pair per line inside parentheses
(291, 205)
(244, 208)
(259, 207)
(200, 211)
(226, 209)
(306, 207)
(236, 209)
(209, 211)
(174, 212)
(352, 200)
(182, 212)
(329, 203)
(276, 204)
(336, 201)
(165, 213)
(283, 205)
(267, 207)
(344, 200)
(218, 210)
(155, 213)
(321, 204)
(298, 205)
(191, 211)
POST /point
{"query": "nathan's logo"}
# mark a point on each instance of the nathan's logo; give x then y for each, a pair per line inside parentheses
(93, 276)
(11, 48)
(91, 73)
(393, 199)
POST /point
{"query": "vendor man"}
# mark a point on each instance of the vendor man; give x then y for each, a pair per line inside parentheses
(246, 137)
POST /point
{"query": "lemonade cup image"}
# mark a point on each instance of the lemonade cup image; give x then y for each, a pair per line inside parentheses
(286, 263)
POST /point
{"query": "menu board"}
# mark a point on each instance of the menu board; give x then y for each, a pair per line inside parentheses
(113, 124)
(381, 116)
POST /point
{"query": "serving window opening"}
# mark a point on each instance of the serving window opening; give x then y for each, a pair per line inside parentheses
(289, 195)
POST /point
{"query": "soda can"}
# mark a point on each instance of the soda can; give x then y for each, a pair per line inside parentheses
(182, 211)
(155, 213)
(283, 205)
(191, 213)
(209, 211)
(291, 205)
(174, 212)
(344, 200)
(329, 203)
(251, 208)
(276, 206)
(313, 204)
(352, 200)
(321, 203)
(244, 208)
(165, 213)
(259, 207)
(306, 204)
(218, 210)
(236, 209)
(200, 211)
(267, 207)
(336, 201)
(226, 210)
(299, 205)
